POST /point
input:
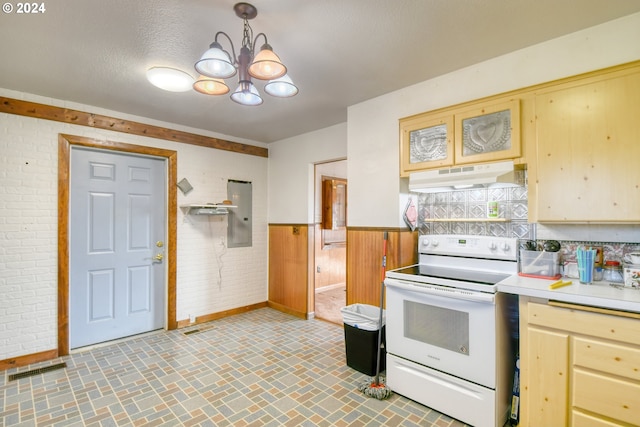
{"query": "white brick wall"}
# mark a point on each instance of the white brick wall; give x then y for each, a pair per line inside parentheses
(28, 227)
(219, 277)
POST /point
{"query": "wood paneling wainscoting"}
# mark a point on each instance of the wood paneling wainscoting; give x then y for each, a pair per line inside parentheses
(291, 264)
(291, 268)
(364, 259)
(331, 260)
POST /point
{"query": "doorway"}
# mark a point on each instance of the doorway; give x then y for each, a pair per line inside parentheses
(160, 250)
(330, 245)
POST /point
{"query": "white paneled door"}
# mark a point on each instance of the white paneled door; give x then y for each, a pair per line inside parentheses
(117, 230)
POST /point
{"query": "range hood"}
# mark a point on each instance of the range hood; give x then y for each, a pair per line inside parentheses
(501, 174)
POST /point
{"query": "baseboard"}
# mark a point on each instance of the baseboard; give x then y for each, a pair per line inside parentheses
(286, 309)
(331, 287)
(221, 314)
(16, 362)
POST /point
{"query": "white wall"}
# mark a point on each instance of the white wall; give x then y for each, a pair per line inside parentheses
(375, 195)
(210, 277)
(291, 172)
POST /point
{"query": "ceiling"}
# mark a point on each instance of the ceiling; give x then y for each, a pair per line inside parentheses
(338, 52)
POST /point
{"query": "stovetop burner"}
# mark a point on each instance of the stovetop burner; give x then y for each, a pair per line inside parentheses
(464, 262)
(474, 276)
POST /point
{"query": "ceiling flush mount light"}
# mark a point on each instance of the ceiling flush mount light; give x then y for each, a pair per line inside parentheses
(217, 64)
(169, 79)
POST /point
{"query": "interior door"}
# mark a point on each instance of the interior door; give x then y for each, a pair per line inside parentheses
(116, 235)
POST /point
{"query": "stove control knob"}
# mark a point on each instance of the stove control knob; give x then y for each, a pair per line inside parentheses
(425, 243)
(435, 243)
(505, 247)
(492, 246)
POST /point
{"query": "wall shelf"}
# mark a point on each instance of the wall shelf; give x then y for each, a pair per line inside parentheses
(207, 209)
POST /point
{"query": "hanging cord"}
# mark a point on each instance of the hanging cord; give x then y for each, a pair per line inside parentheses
(219, 250)
(219, 256)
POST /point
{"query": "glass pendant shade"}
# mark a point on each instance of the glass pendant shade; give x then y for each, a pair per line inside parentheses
(282, 87)
(246, 94)
(169, 79)
(266, 65)
(211, 86)
(215, 63)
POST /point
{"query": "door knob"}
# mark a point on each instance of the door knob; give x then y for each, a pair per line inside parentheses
(159, 257)
(159, 243)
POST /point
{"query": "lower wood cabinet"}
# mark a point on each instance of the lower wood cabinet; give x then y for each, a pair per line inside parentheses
(578, 367)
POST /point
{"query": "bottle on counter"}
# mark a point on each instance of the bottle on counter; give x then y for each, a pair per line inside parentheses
(598, 272)
(598, 263)
(613, 272)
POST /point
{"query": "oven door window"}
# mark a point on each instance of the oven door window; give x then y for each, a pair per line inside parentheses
(440, 327)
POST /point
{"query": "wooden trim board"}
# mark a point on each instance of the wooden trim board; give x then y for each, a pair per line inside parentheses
(82, 118)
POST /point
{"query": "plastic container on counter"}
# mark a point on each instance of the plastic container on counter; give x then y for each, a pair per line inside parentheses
(539, 263)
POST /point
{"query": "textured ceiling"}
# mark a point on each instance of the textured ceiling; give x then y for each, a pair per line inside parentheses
(338, 52)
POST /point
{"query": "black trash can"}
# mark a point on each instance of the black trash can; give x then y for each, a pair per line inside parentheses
(361, 326)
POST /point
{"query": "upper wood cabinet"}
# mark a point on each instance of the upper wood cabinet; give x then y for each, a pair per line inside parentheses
(426, 141)
(482, 131)
(588, 146)
(488, 133)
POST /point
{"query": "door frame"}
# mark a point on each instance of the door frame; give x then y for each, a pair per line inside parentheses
(65, 142)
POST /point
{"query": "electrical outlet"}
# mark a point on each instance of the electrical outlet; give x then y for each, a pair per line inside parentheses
(318, 269)
(192, 318)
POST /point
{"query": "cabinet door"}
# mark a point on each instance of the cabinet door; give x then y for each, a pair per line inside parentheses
(588, 143)
(426, 141)
(548, 391)
(488, 133)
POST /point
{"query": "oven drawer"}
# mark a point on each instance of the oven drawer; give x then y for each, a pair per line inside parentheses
(465, 401)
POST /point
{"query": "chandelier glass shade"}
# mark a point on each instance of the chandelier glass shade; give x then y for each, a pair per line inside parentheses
(210, 86)
(246, 94)
(216, 64)
(266, 65)
(282, 87)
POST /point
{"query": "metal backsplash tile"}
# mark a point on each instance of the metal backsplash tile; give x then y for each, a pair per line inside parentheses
(437, 212)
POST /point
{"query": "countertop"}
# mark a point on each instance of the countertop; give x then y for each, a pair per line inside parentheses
(597, 294)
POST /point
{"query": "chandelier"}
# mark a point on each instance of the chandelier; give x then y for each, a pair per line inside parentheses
(216, 64)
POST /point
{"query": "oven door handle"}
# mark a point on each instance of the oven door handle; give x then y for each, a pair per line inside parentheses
(441, 291)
